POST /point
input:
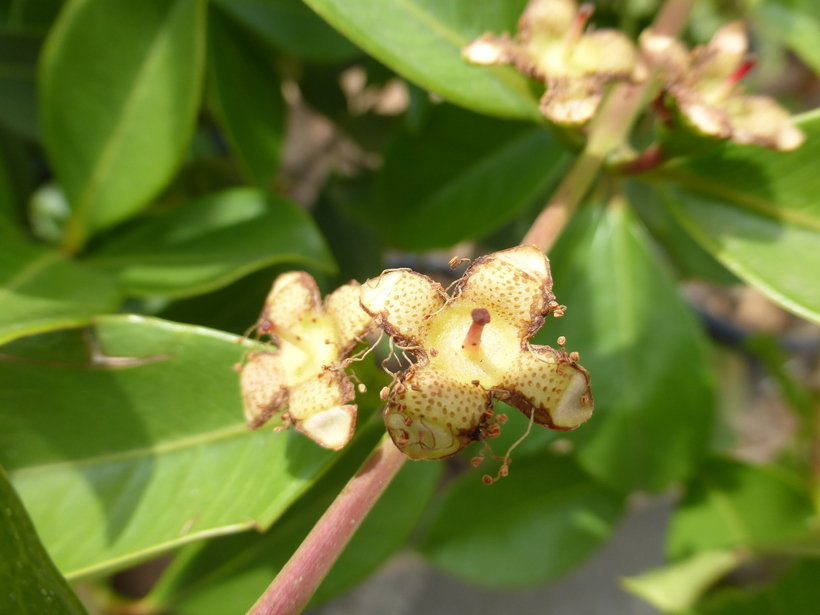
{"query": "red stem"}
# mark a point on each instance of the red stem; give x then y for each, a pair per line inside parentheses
(293, 587)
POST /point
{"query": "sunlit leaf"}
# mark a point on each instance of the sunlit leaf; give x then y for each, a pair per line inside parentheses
(135, 442)
(120, 86)
(211, 242)
(422, 40)
(756, 211)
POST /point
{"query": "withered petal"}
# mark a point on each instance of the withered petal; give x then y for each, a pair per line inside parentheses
(264, 389)
(292, 296)
(350, 320)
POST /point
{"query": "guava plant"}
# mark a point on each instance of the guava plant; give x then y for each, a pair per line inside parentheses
(276, 279)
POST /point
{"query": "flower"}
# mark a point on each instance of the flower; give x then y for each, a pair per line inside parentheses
(305, 374)
(471, 349)
(703, 87)
(552, 47)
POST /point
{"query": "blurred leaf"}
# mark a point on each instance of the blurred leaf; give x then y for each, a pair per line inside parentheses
(42, 290)
(140, 445)
(29, 15)
(731, 504)
(31, 585)
(18, 91)
(211, 242)
(459, 178)
(795, 593)
(645, 351)
(756, 211)
(533, 525)
(795, 22)
(120, 86)
(679, 586)
(249, 96)
(690, 260)
(293, 27)
(227, 575)
(422, 40)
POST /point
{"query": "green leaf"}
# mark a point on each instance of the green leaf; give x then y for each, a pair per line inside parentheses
(731, 504)
(756, 211)
(645, 351)
(795, 593)
(31, 584)
(248, 95)
(120, 85)
(211, 242)
(292, 27)
(139, 444)
(459, 178)
(796, 22)
(679, 586)
(422, 40)
(229, 574)
(19, 52)
(42, 290)
(533, 525)
(687, 256)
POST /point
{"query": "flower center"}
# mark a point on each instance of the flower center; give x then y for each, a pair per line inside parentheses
(472, 341)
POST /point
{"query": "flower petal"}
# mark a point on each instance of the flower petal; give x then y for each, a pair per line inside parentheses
(264, 389)
(515, 285)
(316, 407)
(547, 382)
(401, 302)
(293, 295)
(350, 320)
(432, 416)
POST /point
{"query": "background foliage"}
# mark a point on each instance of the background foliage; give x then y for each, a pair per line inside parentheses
(162, 160)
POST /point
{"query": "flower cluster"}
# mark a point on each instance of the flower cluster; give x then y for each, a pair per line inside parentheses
(702, 87)
(473, 348)
(552, 47)
(305, 373)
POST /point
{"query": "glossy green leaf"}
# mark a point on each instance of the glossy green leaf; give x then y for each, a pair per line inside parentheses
(228, 574)
(30, 584)
(533, 525)
(459, 178)
(120, 85)
(795, 22)
(731, 504)
(19, 52)
(211, 242)
(644, 349)
(756, 211)
(422, 40)
(795, 593)
(292, 27)
(248, 95)
(42, 290)
(139, 444)
(679, 586)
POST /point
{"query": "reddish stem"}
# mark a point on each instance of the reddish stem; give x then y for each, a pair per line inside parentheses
(293, 587)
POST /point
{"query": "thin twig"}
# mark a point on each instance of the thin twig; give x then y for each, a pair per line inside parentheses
(610, 128)
(293, 587)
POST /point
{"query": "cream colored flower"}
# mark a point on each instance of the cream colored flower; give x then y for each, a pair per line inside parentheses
(552, 47)
(305, 374)
(471, 349)
(703, 87)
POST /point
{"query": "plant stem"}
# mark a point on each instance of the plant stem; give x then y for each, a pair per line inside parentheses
(610, 128)
(293, 587)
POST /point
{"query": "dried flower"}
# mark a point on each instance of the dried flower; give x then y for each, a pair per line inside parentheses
(472, 348)
(703, 87)
(305, 374)
(552, 47)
